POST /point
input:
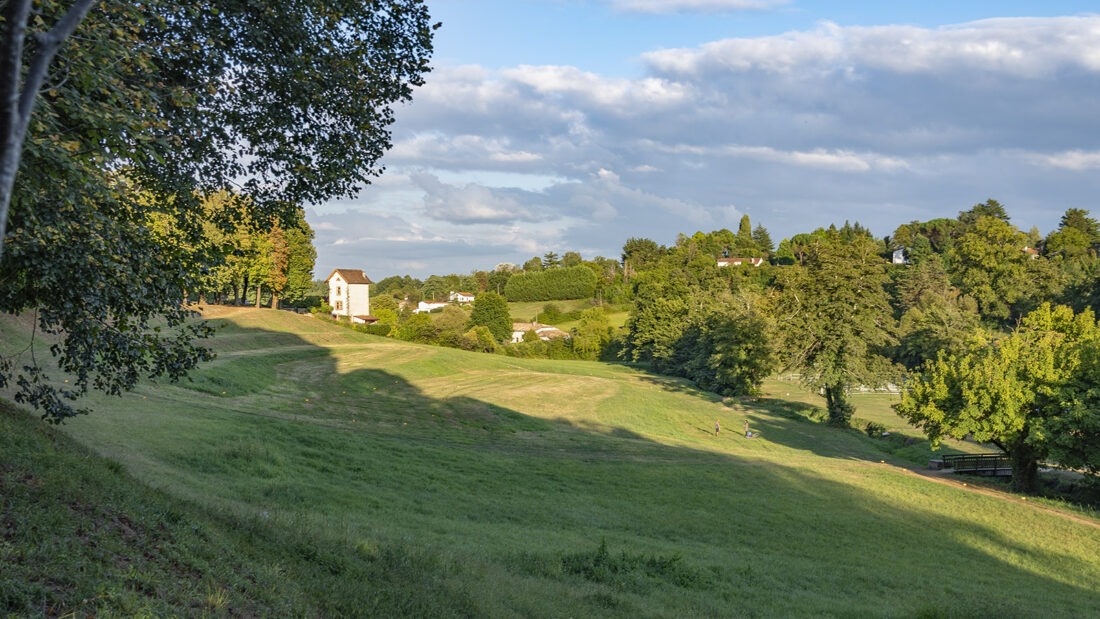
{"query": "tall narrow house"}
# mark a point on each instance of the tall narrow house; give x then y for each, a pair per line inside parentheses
(349, 294)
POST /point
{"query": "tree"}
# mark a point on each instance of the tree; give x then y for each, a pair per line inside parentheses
(534, 264)
(491, 311)
(989, 265)
(763, 240)
(744, 243)
(640, 255)
(303, 257)
(159, 105)
(571, 259)
(935, 315)
(592, 333)
(451, 326)
(835, 320)
(550, 260)
(1032, 393)
(989, 208)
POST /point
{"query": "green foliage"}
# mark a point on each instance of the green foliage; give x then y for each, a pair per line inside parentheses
(157, 105)
(835, 321)
(990, 265)
(480, 339)
(491, 311)
(935, 315)
(417, 328)
(1020, 392)
(577, 282)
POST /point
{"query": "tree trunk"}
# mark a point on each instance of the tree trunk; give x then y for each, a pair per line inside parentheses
(274, 300)
(259, 289)
(1025, 469)
(840, 411)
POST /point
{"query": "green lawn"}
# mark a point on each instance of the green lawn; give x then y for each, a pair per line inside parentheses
(526, 311)
(512, 487)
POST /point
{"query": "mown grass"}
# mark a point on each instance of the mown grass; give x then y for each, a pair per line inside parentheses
(512, 487)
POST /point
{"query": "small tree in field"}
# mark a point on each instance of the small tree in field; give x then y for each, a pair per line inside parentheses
(491, 311)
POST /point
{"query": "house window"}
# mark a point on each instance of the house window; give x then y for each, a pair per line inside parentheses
(338, 291)
(339, 306)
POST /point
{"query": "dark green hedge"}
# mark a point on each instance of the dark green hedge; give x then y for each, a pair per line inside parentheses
(577, 282)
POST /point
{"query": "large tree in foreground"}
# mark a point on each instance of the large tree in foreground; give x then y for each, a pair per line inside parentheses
(151, 106)
(1033, 394)
(835, 321)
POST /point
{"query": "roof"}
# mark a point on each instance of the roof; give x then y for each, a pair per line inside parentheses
(351, 276)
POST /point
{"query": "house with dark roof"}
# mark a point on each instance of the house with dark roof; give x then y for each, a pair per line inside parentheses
(349, 295)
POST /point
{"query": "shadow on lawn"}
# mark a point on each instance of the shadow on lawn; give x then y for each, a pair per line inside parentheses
(470, 468)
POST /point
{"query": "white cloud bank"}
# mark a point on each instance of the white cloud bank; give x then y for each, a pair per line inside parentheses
(877, 124)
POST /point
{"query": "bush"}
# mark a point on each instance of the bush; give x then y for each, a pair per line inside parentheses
(874, 430)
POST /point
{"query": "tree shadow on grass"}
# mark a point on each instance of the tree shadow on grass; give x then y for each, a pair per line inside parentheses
(515, 495)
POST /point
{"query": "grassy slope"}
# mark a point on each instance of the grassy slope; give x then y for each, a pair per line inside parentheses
(489, 483)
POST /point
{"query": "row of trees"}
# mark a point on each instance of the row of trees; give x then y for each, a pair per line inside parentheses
(248, 255)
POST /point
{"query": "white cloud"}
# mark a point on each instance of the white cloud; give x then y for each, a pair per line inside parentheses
(1075, 160)
(621, 94)
(879, 124)
(1033, 48)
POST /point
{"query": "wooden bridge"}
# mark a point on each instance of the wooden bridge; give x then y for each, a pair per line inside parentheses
(992, 464)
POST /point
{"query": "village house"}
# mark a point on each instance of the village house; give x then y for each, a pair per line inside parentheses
(349, 295)
(426, 306)
(461, 297)
(736, 262)
(545, 332)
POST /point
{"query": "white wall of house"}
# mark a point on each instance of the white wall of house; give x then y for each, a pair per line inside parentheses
(348, 299)
(358, 299)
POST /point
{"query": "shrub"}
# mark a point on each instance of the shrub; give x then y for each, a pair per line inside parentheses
(874, 430)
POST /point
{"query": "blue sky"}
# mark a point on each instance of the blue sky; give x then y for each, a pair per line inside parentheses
(573, 125)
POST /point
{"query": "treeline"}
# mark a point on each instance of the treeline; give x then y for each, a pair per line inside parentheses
(254, 260)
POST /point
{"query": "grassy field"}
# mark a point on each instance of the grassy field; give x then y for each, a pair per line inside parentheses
(526, 311)
(340, 473)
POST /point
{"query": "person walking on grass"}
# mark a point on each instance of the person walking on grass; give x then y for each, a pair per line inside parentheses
(748, 434)
(717, 427)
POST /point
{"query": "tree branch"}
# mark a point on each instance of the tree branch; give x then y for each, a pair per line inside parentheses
(17, 96)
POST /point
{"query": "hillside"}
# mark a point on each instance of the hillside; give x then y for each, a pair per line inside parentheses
(315, 470)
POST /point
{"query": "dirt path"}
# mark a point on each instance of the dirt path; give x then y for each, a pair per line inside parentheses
(949, 479)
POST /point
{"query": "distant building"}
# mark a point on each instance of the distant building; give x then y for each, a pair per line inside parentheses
(1031, 252)
(349, 295)
(736, 262)
(461, 297)
(899, 257)
(545, 332)
(426, 306)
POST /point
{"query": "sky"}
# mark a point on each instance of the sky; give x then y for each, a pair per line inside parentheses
(575, 125)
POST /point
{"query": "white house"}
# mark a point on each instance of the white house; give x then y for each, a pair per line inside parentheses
(349, 295)
(461, 297)
(545, 332)
(426, 306)
(898, 257)
(736, 262)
